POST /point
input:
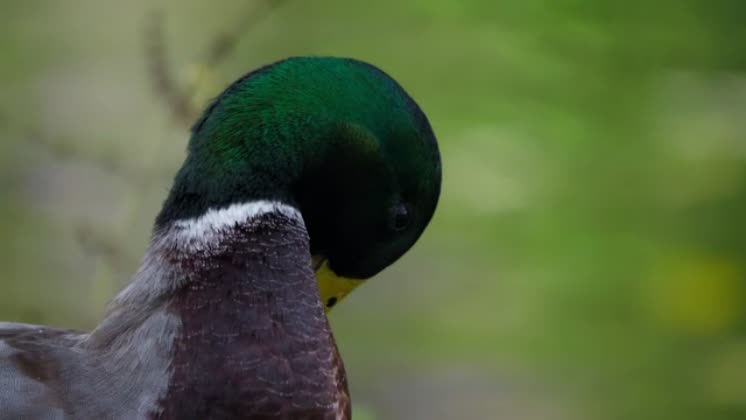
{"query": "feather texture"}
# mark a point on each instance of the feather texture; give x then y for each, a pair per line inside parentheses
(231, 328)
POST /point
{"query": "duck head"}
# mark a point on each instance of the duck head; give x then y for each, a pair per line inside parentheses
(336, 138)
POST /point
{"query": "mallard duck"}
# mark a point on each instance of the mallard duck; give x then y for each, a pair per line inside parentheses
(302, 179)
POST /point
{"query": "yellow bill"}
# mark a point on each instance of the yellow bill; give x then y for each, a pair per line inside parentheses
(332, 287)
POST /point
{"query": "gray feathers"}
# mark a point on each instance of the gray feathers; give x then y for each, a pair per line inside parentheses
(53, 374)
(223, 320)
(118, 371)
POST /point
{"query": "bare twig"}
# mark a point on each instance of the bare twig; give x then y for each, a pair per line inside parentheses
(179, 99)
(224, 43)
(163, 83)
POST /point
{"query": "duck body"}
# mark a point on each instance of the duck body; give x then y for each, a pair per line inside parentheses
(211, 336)
(283, 205)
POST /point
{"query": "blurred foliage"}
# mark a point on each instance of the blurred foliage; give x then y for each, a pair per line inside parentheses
(588, 257)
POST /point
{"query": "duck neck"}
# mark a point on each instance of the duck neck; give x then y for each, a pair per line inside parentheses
(240, 282)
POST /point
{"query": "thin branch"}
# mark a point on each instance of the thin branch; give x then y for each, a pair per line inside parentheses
(224, 44)
(179, 99)
(163, 83)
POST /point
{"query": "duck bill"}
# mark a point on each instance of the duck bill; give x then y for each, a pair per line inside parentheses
(333, 288)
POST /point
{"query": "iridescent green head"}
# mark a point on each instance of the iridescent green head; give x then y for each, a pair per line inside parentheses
(335, 137)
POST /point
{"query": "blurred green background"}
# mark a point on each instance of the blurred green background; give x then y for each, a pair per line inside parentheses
(587, 260)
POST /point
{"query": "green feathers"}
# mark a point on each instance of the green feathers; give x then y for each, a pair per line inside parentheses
(335, 137)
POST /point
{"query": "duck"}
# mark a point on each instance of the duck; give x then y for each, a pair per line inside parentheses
(302, 179)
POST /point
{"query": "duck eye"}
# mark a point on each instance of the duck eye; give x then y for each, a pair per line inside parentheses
(401, 217)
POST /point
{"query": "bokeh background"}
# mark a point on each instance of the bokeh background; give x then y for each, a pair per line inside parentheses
(587, 260)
